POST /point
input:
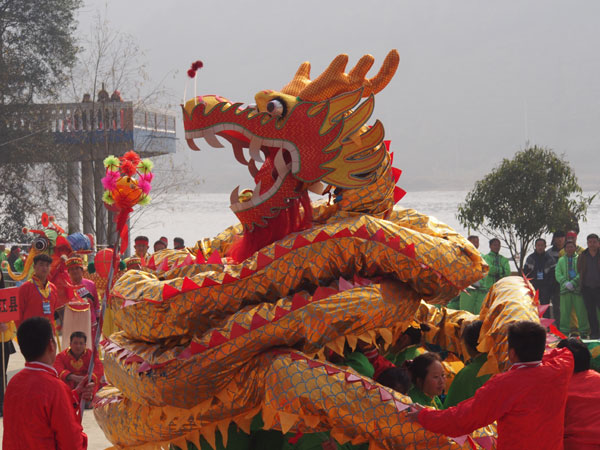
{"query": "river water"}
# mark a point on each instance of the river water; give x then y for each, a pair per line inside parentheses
(196, 216)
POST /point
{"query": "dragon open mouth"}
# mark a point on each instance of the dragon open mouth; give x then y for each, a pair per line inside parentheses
(278, 156)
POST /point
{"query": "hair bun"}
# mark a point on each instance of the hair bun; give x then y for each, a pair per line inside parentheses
(425, 327)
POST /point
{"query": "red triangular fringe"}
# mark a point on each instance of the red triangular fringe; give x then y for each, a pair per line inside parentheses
(237, 330)
(214, 258)
(169, 291)
(189, 285)
(257, 321)
(300, 242)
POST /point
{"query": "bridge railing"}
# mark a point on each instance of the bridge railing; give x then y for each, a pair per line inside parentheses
(76, 117)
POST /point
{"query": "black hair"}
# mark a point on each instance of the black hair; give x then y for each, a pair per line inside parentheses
(571, 241)
(178, 240)
(419, 366)
(473, 236)
(494, 240)
(471, 335)
(581, 353)
(528, 340)
(33, 335)
(540, 239)
(42, 257)
(592, 236)
(78, 334)
(558, 234)
(396, 378)
(15, 247)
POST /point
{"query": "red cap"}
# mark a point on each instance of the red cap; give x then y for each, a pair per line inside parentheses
(571, 234)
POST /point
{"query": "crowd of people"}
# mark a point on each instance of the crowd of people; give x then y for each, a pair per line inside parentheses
(53, 414)
(566, 276)
(449, 403)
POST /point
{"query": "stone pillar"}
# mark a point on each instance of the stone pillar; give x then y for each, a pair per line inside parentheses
(87, 191)
(99, 173)
(73, 197)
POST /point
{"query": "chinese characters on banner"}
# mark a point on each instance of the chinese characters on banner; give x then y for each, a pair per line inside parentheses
(9, 304)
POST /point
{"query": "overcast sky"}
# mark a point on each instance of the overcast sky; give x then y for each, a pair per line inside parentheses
(477, 79)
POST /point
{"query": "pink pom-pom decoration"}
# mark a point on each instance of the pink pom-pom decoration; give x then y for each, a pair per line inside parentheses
(110, 180)
(147, 177)
(144, 186)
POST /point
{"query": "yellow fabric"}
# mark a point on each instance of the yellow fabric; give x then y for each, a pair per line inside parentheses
(9, 334)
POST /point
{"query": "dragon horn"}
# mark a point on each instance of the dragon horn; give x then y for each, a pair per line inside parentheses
(334, 81)
(300, 80)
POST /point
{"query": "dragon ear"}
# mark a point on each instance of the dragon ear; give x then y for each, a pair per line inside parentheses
(300, 80)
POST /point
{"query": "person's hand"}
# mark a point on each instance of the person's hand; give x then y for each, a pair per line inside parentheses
(3, 327)
(413, 412)
(569, 286)
(85, 389)
(76, 378)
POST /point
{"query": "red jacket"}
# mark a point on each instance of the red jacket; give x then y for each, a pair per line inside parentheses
(582, 416)
(31, 302)
(40, 412)
(528, 404)
(66, 364)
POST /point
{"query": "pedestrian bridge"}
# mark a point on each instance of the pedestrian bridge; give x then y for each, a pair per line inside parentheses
(83, 131)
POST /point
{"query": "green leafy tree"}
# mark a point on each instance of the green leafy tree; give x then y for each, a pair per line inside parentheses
(524, 198)
(37, 51)
(37, 48)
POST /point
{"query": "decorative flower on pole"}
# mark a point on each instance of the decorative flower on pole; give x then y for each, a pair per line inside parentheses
(127, 183)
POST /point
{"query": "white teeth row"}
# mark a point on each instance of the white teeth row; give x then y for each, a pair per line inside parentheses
(255, 143)
(257, 198)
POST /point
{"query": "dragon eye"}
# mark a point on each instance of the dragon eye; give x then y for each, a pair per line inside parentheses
(276, 108)
(40, 244)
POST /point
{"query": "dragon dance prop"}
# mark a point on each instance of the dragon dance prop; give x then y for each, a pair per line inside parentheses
(51, 239)
(239, 326)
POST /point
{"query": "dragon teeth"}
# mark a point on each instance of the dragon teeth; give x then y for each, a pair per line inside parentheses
(255, 144)
(238, 152)
(280, 164)
(234, 198)
(252, 168)
(212, 140)
(256, 192)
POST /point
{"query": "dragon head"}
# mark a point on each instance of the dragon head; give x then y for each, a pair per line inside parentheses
(311, 134)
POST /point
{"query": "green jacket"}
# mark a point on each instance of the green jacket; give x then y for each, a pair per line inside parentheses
(418, 396)
(562, 274)
(466, 382)
(499, 268)
(19, 265)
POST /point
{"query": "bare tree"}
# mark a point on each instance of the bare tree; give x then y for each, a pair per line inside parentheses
(110, 60)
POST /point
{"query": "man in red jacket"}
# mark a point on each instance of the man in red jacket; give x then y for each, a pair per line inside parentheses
(582, 415)
(40, 411)
(527, 401)
(73, 363)
(38, 296)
